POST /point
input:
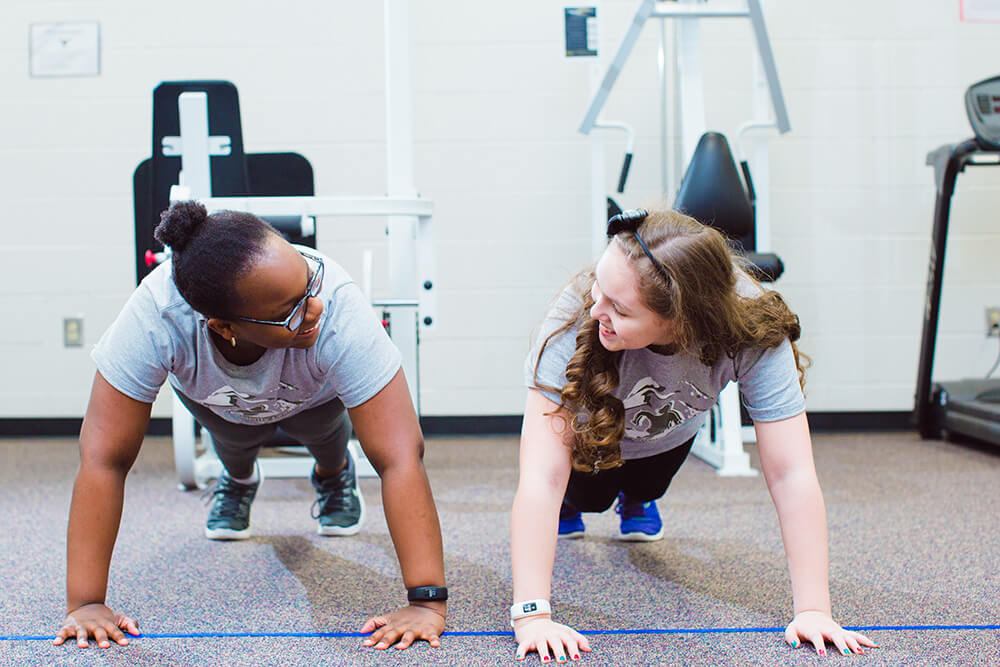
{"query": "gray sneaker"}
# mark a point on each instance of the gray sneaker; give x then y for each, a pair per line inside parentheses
(229, 517)
(339, 508)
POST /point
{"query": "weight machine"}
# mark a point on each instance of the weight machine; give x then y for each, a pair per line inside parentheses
(409, 311)
(720, 442)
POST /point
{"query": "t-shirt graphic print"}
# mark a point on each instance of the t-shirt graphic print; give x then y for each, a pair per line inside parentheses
(651, 410)
(247, 408)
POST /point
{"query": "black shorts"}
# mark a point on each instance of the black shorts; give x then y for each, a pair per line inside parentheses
(641, 480)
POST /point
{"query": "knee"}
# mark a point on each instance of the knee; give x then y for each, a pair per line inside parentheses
(318, 435)
(250, 437)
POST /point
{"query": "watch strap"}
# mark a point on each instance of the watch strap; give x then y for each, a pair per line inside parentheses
(529, 608)
(427, 594)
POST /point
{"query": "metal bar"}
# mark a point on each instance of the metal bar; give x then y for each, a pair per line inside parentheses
(736, 462)
(398, 106)
(624, 127)
(673, 10)
(690, 89)
(391, 303)
(399, 146)
(665, 81)
(403, 332)
(196, 172)
(426, 289)
(319, 206)
(182, 427)
(770, 70)
(615, 68)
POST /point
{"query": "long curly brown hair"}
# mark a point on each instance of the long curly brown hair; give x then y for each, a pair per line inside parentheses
(698, 293)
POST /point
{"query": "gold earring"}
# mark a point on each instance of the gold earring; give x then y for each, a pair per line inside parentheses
(233, 341)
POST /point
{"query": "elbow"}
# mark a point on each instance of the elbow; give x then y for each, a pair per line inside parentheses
(108, 446)
(400, 459)
(795, 485)
(543, 489)
(102, 459)
(117, 466)
(103, 470)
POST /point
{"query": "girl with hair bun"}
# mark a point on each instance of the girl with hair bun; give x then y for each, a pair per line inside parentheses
(631, 356)
(253, 333)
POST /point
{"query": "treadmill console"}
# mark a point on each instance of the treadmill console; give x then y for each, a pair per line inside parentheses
(982, 103)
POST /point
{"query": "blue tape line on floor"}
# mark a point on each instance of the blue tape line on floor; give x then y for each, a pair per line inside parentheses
(502, 633)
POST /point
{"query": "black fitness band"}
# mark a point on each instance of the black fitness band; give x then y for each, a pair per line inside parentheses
(427, 594)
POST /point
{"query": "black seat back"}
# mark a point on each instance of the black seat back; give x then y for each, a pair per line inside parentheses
(233, 175)
(712, 193)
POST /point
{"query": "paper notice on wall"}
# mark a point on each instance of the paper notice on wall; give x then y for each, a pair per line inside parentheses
(65, 49)
(973, 11)
(581, 31)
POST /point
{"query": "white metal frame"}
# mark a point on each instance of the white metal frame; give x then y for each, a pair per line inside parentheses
(409, 229)
(720, 441)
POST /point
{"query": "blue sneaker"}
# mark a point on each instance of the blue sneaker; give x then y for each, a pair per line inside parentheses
(570, 522)
(640, 521)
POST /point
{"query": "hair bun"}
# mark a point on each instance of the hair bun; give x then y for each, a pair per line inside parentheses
(179, 223)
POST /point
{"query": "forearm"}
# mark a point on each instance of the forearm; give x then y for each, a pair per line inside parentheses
(802, 515)
(533, 530)
(94, 518)
(413, 523)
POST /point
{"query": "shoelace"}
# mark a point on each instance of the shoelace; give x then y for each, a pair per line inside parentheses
(228, 503)
(631, 510)
(332, 500)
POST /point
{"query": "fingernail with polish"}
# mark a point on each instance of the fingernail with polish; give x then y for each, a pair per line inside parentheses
(847, 651)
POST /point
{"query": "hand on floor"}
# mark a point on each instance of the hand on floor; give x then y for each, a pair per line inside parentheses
(552, 641)
(97, 621)
(406, 625)
(818, 628)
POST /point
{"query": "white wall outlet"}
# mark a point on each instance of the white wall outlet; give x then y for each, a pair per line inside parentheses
(72, 332)
(992, 321)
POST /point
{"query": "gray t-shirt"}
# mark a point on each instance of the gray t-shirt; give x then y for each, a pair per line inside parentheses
(667, 396)
(158, 337)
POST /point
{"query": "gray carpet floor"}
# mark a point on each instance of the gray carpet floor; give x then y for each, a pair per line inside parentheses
(915, 549)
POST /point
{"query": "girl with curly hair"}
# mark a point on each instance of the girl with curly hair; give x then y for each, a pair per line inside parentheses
(631, 357)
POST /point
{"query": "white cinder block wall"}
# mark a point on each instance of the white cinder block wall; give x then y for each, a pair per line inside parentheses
(870, 87)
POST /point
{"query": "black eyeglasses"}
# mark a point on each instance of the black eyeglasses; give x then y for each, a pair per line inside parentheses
(294, 319)
(629, 221)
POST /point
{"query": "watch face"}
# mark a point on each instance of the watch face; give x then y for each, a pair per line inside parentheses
(427, 593)
(530, 607)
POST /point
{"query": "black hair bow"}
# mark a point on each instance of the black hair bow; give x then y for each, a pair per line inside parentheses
(626, 221)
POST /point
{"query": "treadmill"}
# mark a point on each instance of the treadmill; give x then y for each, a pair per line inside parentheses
(969, 408)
